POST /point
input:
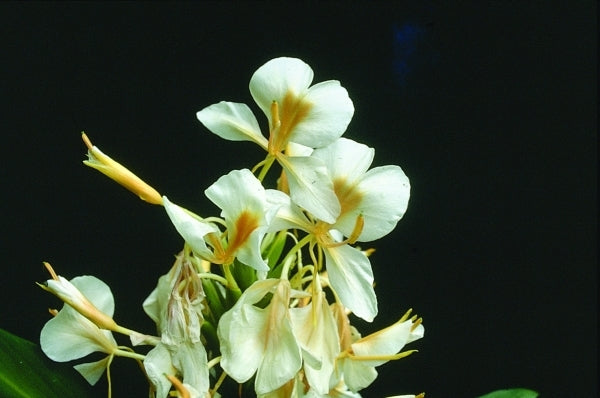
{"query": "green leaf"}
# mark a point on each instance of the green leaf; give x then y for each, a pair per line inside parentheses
(26, 372)
(511, 393)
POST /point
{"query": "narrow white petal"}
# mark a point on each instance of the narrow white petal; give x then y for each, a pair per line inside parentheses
(157, 364)
(330, 113)
(351, 276)
(191, 361)
(191, 229)
(232, 121)
(311, 187)
(317, 332)
(388, 341)
(272, 81)
(92, 371)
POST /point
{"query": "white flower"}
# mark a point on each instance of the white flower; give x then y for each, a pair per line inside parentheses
(372, 202)
(349, 269)
(379, 195)
(356, 365)
(313, 116)
(260, 340)
(70, 335)
(247, 213)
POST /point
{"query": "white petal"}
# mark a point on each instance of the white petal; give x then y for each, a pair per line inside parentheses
(232, 121)
(237, 192)
(191, 229)
(388, 341)
(241, 332)
(92, 371)
(311, 187)
(282, 357)
(190, 359)
(351, 276)
(244, 205)
(69, 335)
(317, 331)
(346, 159)
(272, 81)
(416, 334)
(97, 292)
(385, 192)
(357, 375)
(250, 252)
(289, 215)
(158, 363)
(330, 113)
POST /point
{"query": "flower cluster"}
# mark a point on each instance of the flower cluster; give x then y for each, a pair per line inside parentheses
(261, 295)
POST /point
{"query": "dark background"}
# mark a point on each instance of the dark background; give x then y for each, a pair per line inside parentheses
(489, 107)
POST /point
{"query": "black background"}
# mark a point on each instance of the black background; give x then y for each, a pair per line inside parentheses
(489, 107)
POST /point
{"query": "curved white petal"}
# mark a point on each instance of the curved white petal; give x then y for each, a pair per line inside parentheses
(244, 205)
(346, 159)
(241, 332)
(358, 375)
(289, 215)
(317, 332)
(351, 277)
(384, 193)
(311, 187)
(232, 121)
(191, 361)
(190, 228)
(158, 364)
(282, 357)
(97, 292)
(416, 334)
(328, 117)
(250, 252)
(236, 192)
(388, 341)
(260, 339)
(92, 371)
(69, 335)
(272, 81)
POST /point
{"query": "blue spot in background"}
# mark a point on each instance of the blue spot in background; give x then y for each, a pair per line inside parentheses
(412, 51)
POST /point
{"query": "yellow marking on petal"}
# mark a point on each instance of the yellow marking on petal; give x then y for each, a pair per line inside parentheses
(349, 197)
(291, 112)
(245, 224)
(119, 173)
